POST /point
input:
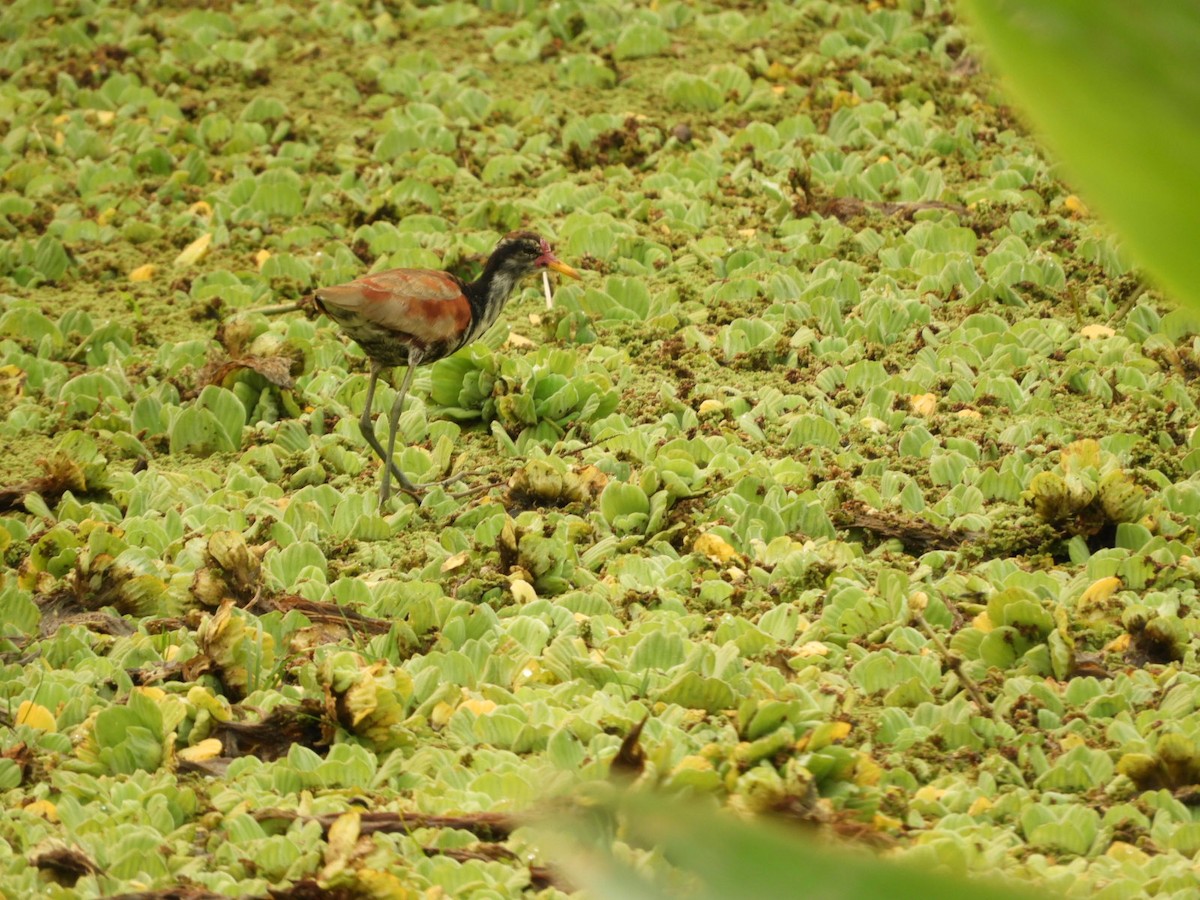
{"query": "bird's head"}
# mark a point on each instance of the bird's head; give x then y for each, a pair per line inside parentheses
(524, 252)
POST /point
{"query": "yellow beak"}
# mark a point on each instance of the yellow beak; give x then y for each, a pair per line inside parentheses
(562, 268)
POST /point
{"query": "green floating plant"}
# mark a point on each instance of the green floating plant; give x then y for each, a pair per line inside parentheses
(551, 482)
(547, 388)
(239, 652)
(1174, 764)
(369, 701)
(1087, 490)
(693, 92)
(1066, 828)
(1020, 630)
(120, 740)
(1155, 638)
(233, 570)
(640, 39)
(110, 573)
(213, 424)
(586, 70)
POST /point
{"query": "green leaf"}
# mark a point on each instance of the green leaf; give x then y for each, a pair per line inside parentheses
(50, 258)
(1112, 86)
(197, 431)
(694, 691)
(228, 411)
(735, 859)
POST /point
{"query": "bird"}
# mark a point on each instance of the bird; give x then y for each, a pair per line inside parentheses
(414, 317)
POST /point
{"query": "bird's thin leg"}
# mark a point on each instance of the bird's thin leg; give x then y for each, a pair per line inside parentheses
(385, 489)
(366, 424)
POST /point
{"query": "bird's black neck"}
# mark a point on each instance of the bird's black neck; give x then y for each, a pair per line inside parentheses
(490, 291)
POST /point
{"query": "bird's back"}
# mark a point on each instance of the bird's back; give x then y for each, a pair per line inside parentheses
(391, 311)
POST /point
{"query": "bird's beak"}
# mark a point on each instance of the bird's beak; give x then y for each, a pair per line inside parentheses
(560, 267)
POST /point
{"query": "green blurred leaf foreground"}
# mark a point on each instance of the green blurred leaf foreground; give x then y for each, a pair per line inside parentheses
(1114, 88)
(693, 850)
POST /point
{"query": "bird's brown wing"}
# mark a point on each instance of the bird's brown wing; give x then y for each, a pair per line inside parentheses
(424, 304)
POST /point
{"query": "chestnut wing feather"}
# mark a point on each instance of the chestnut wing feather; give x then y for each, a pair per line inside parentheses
(423, 304)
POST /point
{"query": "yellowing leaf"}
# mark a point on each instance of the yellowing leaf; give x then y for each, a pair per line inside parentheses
(777, 71)
(440, 714)
(12, 381)
(709, 407)
(143, 272)
(979, 806)
(516, 341)
(1119, 644)
(36, 716)
(343, 836)
(522, 591)
(696, 763)
(194, 252)
(873, 424)
(929, 794)
(1099, 591)
(715, 548)
(43, 808)
(209, 748)
(261, 257)
(867, 772)
(812, 648)
(479, 706)
(923, 404)
(453, 562)
(1124, 852)
(1075, 206)
(1094, 332)
(886, 823)
(386, 886)
(201, 208)
(969, 413)
(983, 622)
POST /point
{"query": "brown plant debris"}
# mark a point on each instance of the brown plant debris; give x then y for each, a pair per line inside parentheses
(300, 723)
(64, 864)
(62, 474)
(846, 208)
(275, 369)
(62, 609)
(320, 613)
(630, 760)
(917, 535)
(489, 826)
(171, 893)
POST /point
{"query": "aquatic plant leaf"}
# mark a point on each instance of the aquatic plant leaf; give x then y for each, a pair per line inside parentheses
(739, 859)
(1070, 66)
(694, 691)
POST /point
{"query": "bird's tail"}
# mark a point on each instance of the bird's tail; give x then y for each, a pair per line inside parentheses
(307, 305)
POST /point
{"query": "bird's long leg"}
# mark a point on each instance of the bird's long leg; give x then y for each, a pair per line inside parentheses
(385, 488)
(366, 424)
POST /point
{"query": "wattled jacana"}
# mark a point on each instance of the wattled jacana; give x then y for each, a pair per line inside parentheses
(414, 317)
